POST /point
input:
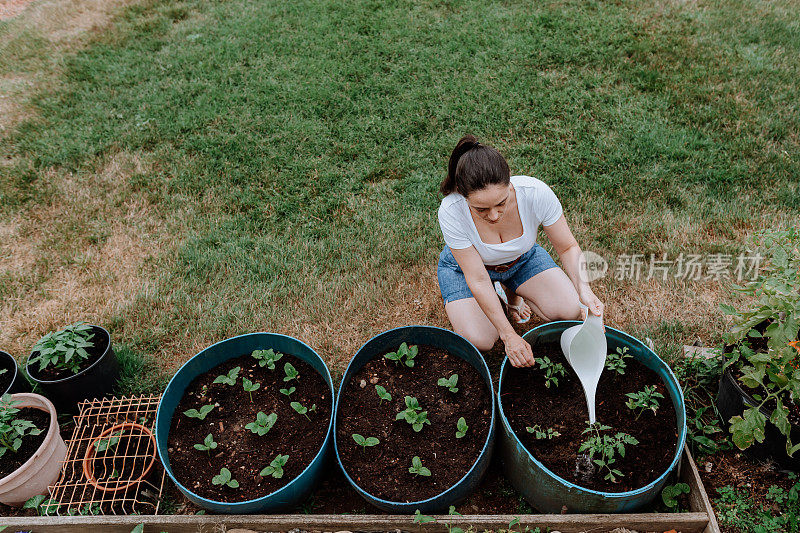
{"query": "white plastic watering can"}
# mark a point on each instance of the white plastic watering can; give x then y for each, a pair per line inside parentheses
(585, 347)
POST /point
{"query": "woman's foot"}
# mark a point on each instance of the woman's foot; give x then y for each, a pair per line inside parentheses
(518, 309)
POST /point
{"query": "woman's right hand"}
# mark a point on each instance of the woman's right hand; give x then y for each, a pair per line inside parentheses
(518, 351)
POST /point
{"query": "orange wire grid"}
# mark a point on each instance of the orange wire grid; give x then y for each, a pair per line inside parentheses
(111, 466)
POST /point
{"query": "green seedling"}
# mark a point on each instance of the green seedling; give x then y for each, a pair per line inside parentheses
(109, 442)
(643, 400)
(541, 433)
(43, 505)
(224, 478)
(208, 444)
(3, 371)
(405, 354)
(670, 493)
(364, 442)
(551, 371)
(267, 358)
(382, 394)
(275, 468)
(449, 383)
(230, 378)
(201, 414)
(417, 469)
(615, 362)
(303, 410)
(65, 349)
(420, 518)
(249, 387)
(413, 414)
(605, 447)
(263, 423)
(461, 428)
(451, 528)
(291, 372)
(288, 392)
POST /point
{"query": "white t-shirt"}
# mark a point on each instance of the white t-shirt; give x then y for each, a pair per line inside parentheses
(537, 204)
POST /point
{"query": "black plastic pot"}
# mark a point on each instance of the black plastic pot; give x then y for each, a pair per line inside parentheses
(18, 382)
(732, 400)
(96, 381)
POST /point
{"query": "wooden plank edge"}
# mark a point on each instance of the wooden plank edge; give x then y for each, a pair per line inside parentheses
(698, 497)
(567, 523)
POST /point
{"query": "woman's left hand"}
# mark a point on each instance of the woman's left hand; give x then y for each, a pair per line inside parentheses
(589, 299)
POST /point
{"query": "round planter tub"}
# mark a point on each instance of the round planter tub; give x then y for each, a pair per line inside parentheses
(732, 400)
(296, 490)
(549, 493)
(42, 469)
(455, 345)
(95, 381)
(18, 382)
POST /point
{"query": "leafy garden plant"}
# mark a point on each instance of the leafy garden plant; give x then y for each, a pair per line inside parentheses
(207, 445)
(64, 349)
(615, 362)
(275, 468)
(249, 387)
(764, 336)
(540, 433)
(644, 400)
(263, 423)
(461, 428)
(417, 469)
(303, 410)
(449, 383)
(365, 442)
(603, 448)
(413, 414)
(288, 392)
(266, 358)
(670, 494)
(551, 371)
(224, 478)
(229, 378)
(13, 429)
(202, 413)
(382, 394)
(405, 354)
(103, 445)
(291, 372)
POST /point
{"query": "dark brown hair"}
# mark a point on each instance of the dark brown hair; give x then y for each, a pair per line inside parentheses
(473, 166)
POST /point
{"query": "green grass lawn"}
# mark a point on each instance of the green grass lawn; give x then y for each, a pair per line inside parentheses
(281, 160)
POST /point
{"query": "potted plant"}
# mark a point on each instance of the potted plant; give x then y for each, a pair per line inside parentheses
(11, 379)
(415, 419)
(74, 364)
(120, 457)
(31, 447)
(557, 460)
(244, 426)
(759, 392)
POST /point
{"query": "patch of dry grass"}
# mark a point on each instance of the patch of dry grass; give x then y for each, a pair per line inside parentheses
(83, 256)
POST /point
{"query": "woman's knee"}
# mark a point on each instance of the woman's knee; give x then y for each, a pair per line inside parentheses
(482, 340)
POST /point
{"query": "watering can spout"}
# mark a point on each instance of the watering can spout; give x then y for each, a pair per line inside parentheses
(585, 348)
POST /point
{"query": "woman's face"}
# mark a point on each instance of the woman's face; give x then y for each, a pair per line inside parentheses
(490, 203)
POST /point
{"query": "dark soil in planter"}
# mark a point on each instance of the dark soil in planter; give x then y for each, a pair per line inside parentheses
(30, 443)
(526, 402)
(8, 376)
(382, 470)
(51, 373)
(239, 450)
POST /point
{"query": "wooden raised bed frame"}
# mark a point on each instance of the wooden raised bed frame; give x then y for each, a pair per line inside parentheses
(700, 519)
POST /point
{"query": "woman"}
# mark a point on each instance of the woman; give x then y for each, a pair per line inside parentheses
(489, 220)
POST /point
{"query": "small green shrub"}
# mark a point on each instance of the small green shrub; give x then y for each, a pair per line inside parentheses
(64, 349)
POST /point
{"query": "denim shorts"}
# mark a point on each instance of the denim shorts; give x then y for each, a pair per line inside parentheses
(454, 286)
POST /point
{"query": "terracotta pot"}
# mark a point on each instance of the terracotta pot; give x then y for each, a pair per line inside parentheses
(121, 485)
(42, 469)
